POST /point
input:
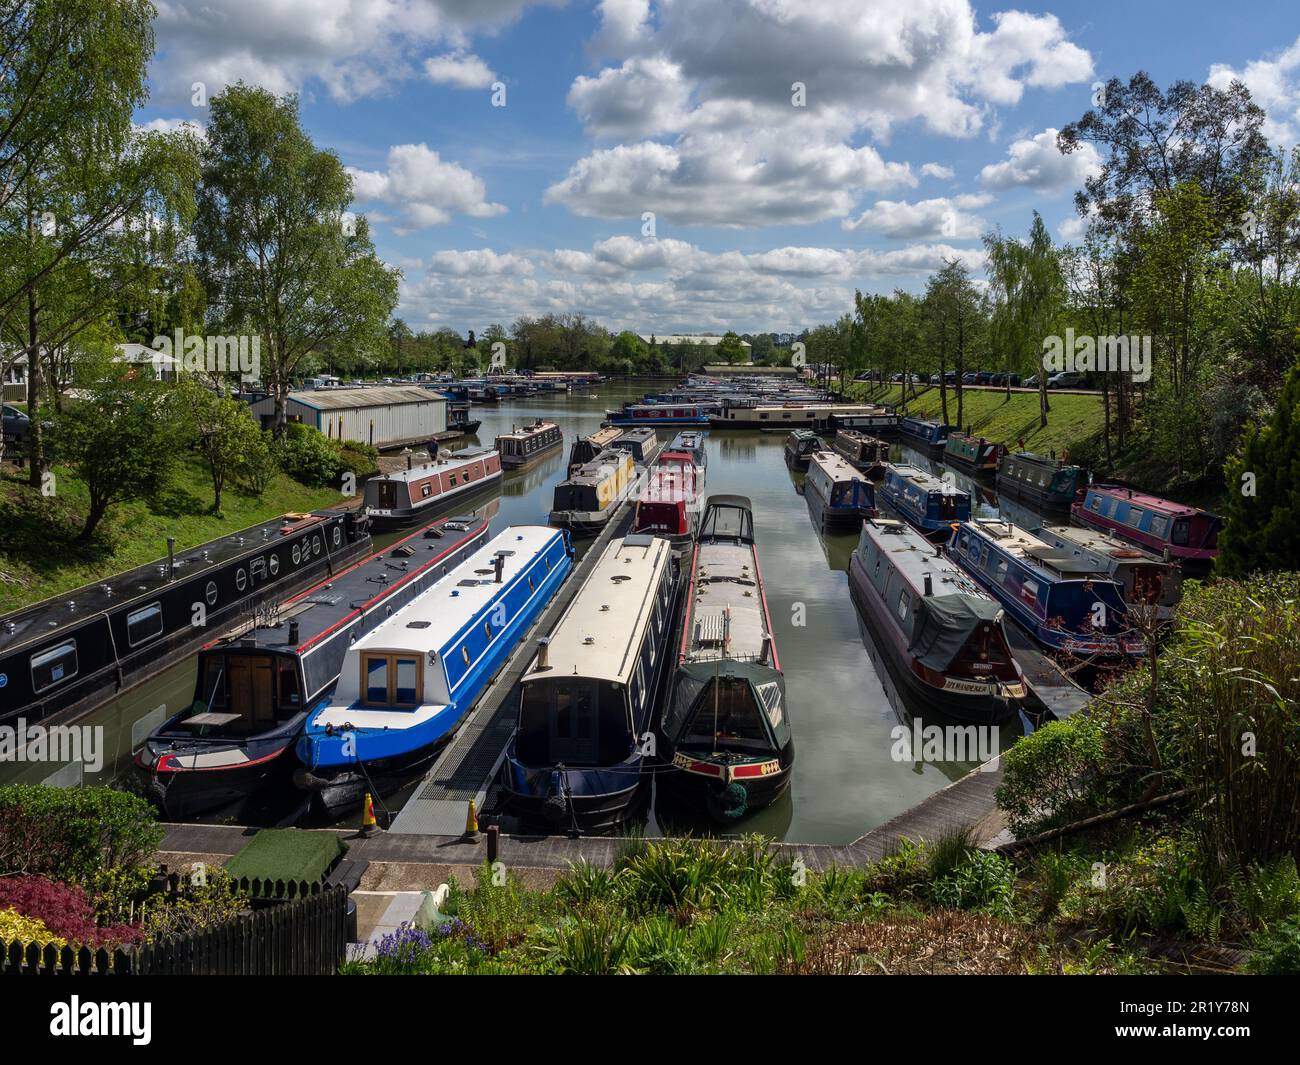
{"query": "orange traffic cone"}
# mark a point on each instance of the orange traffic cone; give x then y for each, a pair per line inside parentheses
(369, 826)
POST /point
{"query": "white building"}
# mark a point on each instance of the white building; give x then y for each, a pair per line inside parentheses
(384, 417)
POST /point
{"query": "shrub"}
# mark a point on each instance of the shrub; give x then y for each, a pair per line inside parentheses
(259, 466)
(361, 459)
(1276, 951)
(1054, 776)
(64, 909)
(308, 456)
(981, 880)
(16, 928)
(74, 834)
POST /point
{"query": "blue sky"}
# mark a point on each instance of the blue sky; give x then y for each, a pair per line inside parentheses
(924, 123)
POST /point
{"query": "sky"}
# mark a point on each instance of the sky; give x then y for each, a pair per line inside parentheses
(693, 166)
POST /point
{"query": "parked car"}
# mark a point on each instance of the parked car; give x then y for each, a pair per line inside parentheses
(1013, 380)
(1066, 379)
(968, 378)
(17, 427)
(998, 379)
(983, 377)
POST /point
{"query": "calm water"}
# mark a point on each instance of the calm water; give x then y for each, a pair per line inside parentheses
(842, 704)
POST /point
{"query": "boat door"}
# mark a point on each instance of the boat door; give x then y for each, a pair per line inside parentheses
(251, 685)
(387, 495)
(573, 738)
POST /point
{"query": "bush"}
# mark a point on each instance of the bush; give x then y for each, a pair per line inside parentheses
(259, 466)
(982, 880)
(1276, 951)
(64, 909)
(80, 835)
(361, 459)
(15, 928)
(308, 456)
(1055, 775)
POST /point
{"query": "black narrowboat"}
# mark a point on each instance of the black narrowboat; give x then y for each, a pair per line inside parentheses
(62, 657)
(1043, 482)
(799, 448)
(923, 435)
(867, 453)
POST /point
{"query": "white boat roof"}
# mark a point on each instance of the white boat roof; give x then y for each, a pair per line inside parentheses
(726, 579)
(917, 476)
(836, 467)
(600, 631)
(447, 605)
(1029, 547)
(445, 462)
(522, 432)
(1103, 544)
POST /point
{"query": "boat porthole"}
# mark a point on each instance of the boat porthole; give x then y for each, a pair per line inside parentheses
(530, 585)
(275, 564)
(210, 593)
(315, 545)
(338, 536)
(487, 629)
(464, 652)
(297, 555)
(241, 578)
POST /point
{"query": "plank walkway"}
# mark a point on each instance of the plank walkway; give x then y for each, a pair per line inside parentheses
(467, 768)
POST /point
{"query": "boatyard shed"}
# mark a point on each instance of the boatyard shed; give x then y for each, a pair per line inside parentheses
(383, 417)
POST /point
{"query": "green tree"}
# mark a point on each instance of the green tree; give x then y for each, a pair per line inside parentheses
(730, 350)
(120, 438)
(223, 432)
(1263, 508)
(279, 252)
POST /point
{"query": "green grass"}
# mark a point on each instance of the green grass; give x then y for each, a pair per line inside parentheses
(39, 559)
(286, 854)
(1072, 421)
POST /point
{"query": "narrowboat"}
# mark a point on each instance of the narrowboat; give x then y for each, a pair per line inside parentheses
(61, 657)
(1183, 534)
(839, 496)
(593, 492)
(926, 436)
(799, 448)
(526, 444)
(406, 686)
(747, 415)
(459, 418)
(1149, 581)
(867, 453)
(419, 493)
(940, 634)
(1057, 597)
(586, 448)
(668, 506)
(687, 449)
(1043, 482)
(256, 685)
(580, 753)
(973, 453)
(656, 414)
(930, 504)
(881, 421)
(642, 444)
(725, 727)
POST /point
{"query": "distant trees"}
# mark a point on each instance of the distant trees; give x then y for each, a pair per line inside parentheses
(730, 350)
(953, 314)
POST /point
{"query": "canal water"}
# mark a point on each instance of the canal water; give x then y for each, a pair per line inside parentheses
(850, 770)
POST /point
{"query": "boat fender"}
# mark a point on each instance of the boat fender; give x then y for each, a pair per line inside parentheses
(555, 809)
(728, 803)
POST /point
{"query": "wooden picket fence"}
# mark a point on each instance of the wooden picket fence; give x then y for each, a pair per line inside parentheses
(305, 934)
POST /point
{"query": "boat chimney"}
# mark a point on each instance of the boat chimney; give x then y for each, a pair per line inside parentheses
(409, 458)
(171, 558)
(543, 653)
(499, 564)
(929, 585)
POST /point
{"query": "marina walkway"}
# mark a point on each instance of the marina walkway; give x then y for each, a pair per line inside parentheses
(467, 767)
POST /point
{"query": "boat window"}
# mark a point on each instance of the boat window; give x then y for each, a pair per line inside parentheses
(288, 697)
(727, 716)
(1159, 525)
(1029, 591)
(1181, 528)
(393, 680)
(1134, 516)
(144, 624)
(53, 666)
(902, 606)
(1000, 573)
(1094, 504)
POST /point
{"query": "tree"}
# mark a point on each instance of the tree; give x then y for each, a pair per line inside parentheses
(279, 253)
(223, 432)
(1263, 508)
(399, 334)
(120, 438)
(730, 349)
(953, 311)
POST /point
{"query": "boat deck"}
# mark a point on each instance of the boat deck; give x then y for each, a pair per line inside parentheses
(467, 768)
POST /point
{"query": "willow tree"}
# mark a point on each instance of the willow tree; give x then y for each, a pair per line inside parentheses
(1028, 289)
(279, 252)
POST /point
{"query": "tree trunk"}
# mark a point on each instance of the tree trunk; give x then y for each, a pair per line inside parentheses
(93, 518)
(35, 382)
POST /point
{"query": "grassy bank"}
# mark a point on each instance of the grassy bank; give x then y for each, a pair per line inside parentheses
(38, 554)
(1071, 423)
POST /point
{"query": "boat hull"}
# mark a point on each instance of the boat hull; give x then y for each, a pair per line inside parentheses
(699, 782)
(439, 506)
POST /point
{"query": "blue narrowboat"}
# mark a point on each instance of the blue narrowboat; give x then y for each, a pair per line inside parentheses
(406, 686)
(655, 414)
(1060, 598)
(930, 437)
(930, 504)
(838, 495)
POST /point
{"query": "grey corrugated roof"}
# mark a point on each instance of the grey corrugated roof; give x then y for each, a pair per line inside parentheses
(351, 398)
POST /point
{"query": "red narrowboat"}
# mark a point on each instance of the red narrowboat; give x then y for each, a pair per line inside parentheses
(1178, 532)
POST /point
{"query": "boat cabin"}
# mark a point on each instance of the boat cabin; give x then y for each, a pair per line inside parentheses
(1188, 534)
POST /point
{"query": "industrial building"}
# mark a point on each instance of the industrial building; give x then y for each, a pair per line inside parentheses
(384, 417)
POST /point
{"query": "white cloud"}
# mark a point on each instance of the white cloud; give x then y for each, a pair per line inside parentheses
(353, 48)
(945, 217)
(938, 170)
(732, 149)
(460, 70)
(170, 125)
(424, 188)
(1274, 84)
(663, 285)
(1035, 162)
